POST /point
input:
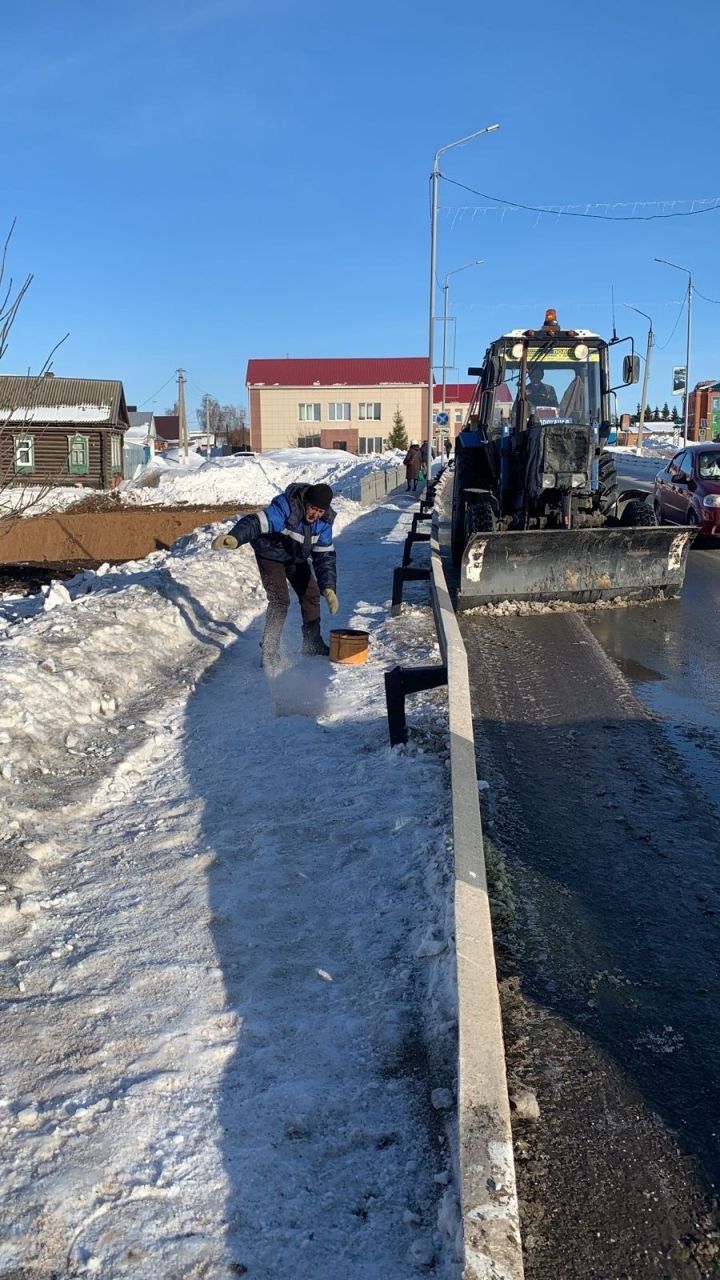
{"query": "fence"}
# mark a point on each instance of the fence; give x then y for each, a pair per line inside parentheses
(374, 487)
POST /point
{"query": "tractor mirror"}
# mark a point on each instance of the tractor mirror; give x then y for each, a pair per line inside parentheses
(631, 370)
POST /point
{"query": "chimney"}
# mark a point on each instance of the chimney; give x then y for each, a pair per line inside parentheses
(48, 374)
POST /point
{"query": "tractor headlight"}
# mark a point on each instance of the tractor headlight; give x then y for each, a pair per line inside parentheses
(517, 351)
(711, 500)
(581, 351)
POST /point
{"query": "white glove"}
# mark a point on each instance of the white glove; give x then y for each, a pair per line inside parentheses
(224, 541)
(332, 600)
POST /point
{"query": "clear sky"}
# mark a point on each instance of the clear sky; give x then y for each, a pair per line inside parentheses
(199, 183)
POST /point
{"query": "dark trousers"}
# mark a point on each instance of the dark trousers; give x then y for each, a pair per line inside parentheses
(275, 578)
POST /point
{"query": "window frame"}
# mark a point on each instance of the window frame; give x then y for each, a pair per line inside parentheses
(115, 449)
(77, 439)
(303, 407)
(363, 414)
(344, 405)
(23, 442)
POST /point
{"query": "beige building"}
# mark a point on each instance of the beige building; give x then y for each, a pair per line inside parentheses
(335, 403)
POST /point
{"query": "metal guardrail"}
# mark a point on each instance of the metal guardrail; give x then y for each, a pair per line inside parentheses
(373, 487)
(485, 1157)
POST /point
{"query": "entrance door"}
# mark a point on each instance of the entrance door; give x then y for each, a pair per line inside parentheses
(340, 444)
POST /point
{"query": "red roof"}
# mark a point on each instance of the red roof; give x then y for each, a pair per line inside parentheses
(167, 427)
(455, 392)
(462, 393)
(351, 372)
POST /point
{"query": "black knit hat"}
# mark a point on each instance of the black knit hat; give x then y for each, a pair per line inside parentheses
(319, 495)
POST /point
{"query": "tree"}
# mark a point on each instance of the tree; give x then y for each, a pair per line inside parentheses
(209, 413)
(15, 500)
(398, 436)
(675, 416)
(648, 414)
(666, 412)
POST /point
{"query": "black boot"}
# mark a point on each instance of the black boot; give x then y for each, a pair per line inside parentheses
(313, 643)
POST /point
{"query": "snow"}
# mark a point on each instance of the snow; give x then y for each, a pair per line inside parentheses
(58, 413)
(248, 479)
(226, 924)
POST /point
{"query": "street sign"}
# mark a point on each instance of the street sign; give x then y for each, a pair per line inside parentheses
(442, 419)
(679, 380)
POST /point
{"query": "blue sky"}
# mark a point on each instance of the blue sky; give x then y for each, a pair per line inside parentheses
(199, 183)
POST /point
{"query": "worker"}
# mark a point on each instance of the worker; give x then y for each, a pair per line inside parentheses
(289, 535)
(541, 395)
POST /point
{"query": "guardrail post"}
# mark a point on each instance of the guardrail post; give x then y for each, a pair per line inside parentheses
(401, 681)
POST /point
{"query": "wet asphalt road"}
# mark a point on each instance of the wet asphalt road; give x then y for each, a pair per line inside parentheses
(599, 733)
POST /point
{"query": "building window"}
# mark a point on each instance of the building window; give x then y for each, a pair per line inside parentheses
(308, 413)
(78, 455)
(370, 444)
(115, 454)
(308, 442)
(24, 453)
(370, 411)
(716, 404)
(339, 411)
(458, 415)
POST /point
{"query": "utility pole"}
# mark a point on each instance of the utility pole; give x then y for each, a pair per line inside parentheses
(207, 427)
(688, 273)
(181, 413)
(434, 180)
(648, 353)
(477, 263)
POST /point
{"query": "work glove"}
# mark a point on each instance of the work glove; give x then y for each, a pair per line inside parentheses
(224, 541)
(332, 600)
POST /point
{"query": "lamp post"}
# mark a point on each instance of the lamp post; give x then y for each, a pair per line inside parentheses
(478, 263)
(648, 353)
(433, 258)
(686, 415)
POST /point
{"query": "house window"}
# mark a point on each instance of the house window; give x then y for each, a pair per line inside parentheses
(78, 455)
(115, 454)
(339, 411)
(308, 442)
(370, 444)
(370, 411)
(24, 453)
(308, 413)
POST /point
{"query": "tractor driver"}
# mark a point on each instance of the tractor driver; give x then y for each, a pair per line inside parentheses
(540, 394)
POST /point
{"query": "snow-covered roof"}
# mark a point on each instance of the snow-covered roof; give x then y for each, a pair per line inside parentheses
(47, 399)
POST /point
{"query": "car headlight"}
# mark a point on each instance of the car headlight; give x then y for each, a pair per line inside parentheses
(711, 500)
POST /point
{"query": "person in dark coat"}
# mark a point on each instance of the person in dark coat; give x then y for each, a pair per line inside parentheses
(288, 537)
(412, 463)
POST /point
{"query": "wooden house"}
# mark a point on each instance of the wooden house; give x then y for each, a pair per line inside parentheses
(62, 431)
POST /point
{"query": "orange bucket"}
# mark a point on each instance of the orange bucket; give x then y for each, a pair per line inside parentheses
(350, 647)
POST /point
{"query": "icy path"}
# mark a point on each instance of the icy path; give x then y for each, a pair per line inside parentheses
(232, 998)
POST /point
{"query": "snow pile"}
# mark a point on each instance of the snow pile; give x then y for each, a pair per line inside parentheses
(226, 914)
(250, 479)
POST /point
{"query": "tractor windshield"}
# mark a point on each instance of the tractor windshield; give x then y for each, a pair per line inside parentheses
(561, 384)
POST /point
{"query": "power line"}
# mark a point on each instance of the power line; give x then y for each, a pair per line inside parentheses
(663, 345)
(162, 388)
(570, 211)
(706, 299)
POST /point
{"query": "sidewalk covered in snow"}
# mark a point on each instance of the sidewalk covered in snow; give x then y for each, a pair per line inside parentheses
(226, 911)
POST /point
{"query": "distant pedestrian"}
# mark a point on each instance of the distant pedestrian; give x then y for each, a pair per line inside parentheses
(289, 535)
(412, 463)
(448, 446)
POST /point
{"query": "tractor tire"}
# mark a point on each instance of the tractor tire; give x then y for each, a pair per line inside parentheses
(607, 482)
(479, 518)
(638, 514)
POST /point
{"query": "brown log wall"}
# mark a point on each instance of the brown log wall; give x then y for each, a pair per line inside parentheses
(51, 458)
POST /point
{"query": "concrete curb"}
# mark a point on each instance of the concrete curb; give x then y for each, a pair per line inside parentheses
(490, 1215)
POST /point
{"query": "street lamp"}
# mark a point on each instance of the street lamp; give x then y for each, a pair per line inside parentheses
(478, 263)
(686, 415)
(433, 256)
(648, 352)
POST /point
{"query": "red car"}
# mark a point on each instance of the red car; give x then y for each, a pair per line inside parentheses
(688, 490)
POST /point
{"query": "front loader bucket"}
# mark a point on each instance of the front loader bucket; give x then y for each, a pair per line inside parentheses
(581, 565)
